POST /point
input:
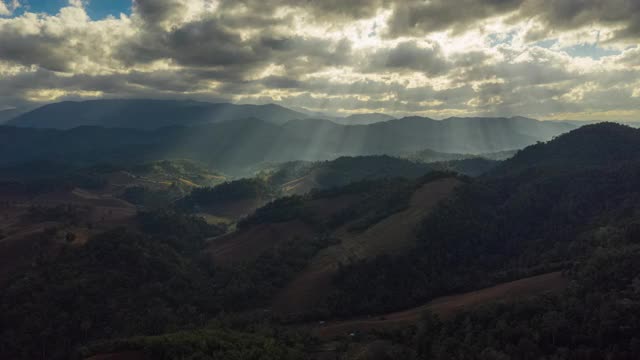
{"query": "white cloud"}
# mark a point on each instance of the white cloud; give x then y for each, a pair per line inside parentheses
(347, 56)
(8, 7)
(78, 3)
(4, 10)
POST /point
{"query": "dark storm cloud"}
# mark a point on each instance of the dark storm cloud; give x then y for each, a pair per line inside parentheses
(323, 51)
(224, 53)
(572, 14)
(415, 17)
(135, 81)
(200, 43)
(205, 42)
(328, 10)
(159, 12)
(409, 56)
(43, 50)
(281, 82)
(420, 17)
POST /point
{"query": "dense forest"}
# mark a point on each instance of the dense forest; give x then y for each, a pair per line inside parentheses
(121, 283)
(319, 180)
(151, 285)
(243, 189)
(501, 227)
(596, 318)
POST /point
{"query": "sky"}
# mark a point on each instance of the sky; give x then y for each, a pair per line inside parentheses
(97, 9)
(546, 59)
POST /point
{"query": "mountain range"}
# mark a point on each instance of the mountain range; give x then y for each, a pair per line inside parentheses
(146, 114)
(155, 114)
(228, 136)
(335, 260)
(248, 142)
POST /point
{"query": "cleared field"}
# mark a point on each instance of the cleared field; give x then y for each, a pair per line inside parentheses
(215, 220)
(235, 209)
(391, 235)
(397, 232)
(24, 238)
(448, 305)
(247, 245)
(301, 185)
(23, 243)
(129, 355)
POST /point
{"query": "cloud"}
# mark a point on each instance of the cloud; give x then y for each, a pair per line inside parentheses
(436, 58)
(630, 57)
(410, 56)
(44, 41)
(326, 10)
(417, 17)
(160, 12)
(421, 17)
(198, 43)
(4, 10)
(572, 14)
(7, 7)
(77, 3)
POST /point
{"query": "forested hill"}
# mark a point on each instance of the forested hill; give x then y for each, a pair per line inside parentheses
(604, 144)
(174, 284)
(146, 114)
(552, 204)
(236, 145)
(569, 204)
(299, 177)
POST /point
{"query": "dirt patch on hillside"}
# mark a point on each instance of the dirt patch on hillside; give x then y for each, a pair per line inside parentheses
(129, 355)
(102, 208)
(247, 245)
(448, 305)
(324, 208)
(394, 234)
(301, 185)
(21, 245)
(24, 238)
(235, 209)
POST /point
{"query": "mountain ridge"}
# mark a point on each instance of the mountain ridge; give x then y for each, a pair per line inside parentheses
(147, 113)
(120, 112)
(250, 141)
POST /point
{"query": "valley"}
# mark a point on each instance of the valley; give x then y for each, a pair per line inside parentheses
(341, 255)
(319, 180)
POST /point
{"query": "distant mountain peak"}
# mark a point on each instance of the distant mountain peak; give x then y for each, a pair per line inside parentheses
(590, 145)
(147, 113)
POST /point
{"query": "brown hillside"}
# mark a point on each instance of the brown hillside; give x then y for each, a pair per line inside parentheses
(129, 355)
(448, 305)
(391, 235)
(235, 209)
(301, 185)
(23, 238)
(248, 244)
